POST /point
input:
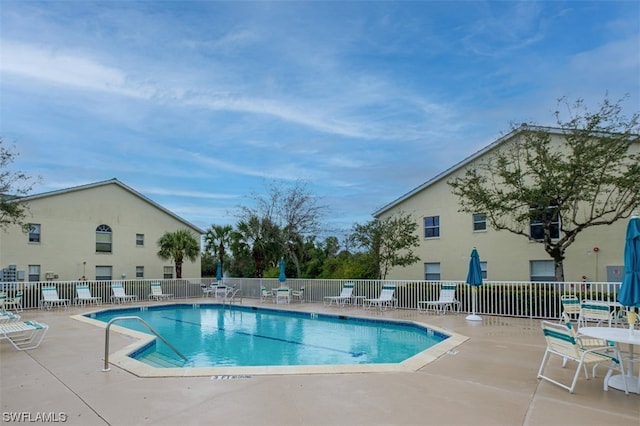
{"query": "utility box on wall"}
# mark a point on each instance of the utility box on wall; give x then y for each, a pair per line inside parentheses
(615, 273)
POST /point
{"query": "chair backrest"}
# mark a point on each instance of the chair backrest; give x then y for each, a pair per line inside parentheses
(347, 290)
(595, 310)
(3, 297)
(50, 293)
(265, 292)
(83, 291)
(570, 304)
(387, 292)
(118, 289)
(560, 339)
(156, 289)
(447, 293)
(283, 292)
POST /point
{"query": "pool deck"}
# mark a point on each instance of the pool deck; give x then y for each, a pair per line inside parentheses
(487, 379)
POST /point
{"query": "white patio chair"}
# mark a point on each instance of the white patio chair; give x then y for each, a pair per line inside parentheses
(119, 296)
(446, 300)
(13, 303)
(570, 306)
(595, 311)
(298, 294)
(385, 299)
(266, 294)
(561, 342)
(50, 298)
(84, 296)
(157, 294)
(343, 298)
(283, 295)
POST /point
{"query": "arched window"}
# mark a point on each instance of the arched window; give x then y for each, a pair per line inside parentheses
(103, 239)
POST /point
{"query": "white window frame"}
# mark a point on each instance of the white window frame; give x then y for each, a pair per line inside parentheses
(139, 240)
(139, 271)
(167, 272)
(479, 222)
(34, 273)
(432, 228)
(35, 233)
(432, 271)
(104, 272)
(542, 270)
(104, 239)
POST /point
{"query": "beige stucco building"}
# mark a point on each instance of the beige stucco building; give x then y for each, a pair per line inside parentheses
(597, 252)
(104, 230)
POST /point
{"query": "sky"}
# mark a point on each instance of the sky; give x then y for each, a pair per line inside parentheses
(199, 105)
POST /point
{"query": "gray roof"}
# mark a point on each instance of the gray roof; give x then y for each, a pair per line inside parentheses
(113, 181)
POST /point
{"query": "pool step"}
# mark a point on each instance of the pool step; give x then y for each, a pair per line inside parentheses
(159, 360)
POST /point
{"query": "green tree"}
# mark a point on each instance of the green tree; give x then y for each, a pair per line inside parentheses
(13, 186)
(259, 238)
(178, 246)
(217, 240)
(389, 242)
(591, 179)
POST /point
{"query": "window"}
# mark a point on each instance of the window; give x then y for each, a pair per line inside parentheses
(34, 232)
(432, 226)
(139, 271)
(479, 222)
(139, 239)
(483, 268)
(168, 272)
(432, 271)
(103, 239)
(552, 218)
(104, 273)
(542, 270)
(34, 272)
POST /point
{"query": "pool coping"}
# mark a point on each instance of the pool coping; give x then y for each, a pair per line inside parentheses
(121, 358)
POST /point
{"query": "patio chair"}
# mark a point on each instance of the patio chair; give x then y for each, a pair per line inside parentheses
(23, 335)
(157, 294)
(562, 342)
(119, 296)
(283, 295)
(447, 300)
(570, 306)
(343, 298)
(594, 311)
(50, 298)
(298, 294)
(14, 303)
(385, 299)
(265, 294)
(84, 296)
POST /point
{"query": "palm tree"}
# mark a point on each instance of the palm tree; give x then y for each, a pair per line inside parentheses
(179, 245)
(218, 239)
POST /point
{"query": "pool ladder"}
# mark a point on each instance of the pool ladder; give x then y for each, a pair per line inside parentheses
(151, 329)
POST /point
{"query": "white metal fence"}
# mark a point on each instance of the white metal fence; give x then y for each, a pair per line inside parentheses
(501, 298)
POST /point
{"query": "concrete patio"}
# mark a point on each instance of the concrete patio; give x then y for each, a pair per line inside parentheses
(490, 379)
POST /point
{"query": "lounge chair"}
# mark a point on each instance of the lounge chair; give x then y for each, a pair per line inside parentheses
(50, 299)
(283, 295)
(570, 306)
(298, 294)
(562, 342)
(119, 296)
(385, 299)
(84, 296)
(13, 303)
(157, 294)
(343, 298)
(23, 335)
(6, 316)
(594, 311)
(447, 300)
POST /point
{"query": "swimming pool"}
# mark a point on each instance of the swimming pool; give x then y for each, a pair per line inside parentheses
(257, 340)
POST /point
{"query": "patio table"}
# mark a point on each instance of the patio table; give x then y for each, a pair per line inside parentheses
(618, 335)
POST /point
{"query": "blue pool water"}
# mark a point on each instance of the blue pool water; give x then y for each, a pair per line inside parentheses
(215, 336)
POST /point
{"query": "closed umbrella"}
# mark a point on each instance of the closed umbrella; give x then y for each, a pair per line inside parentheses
(282, 277)
(474, 279)
(219, 271)
(629, 294)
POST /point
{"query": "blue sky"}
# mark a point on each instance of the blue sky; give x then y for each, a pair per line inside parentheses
(197, 105)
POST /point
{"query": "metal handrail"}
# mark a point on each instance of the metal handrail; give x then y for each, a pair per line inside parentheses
(132, 317)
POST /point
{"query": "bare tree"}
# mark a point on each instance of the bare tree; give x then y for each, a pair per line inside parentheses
(13, 186)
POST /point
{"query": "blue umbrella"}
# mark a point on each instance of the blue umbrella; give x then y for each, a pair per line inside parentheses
(219, 271)
(629, 294)
(474, 279)
(282, 277)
